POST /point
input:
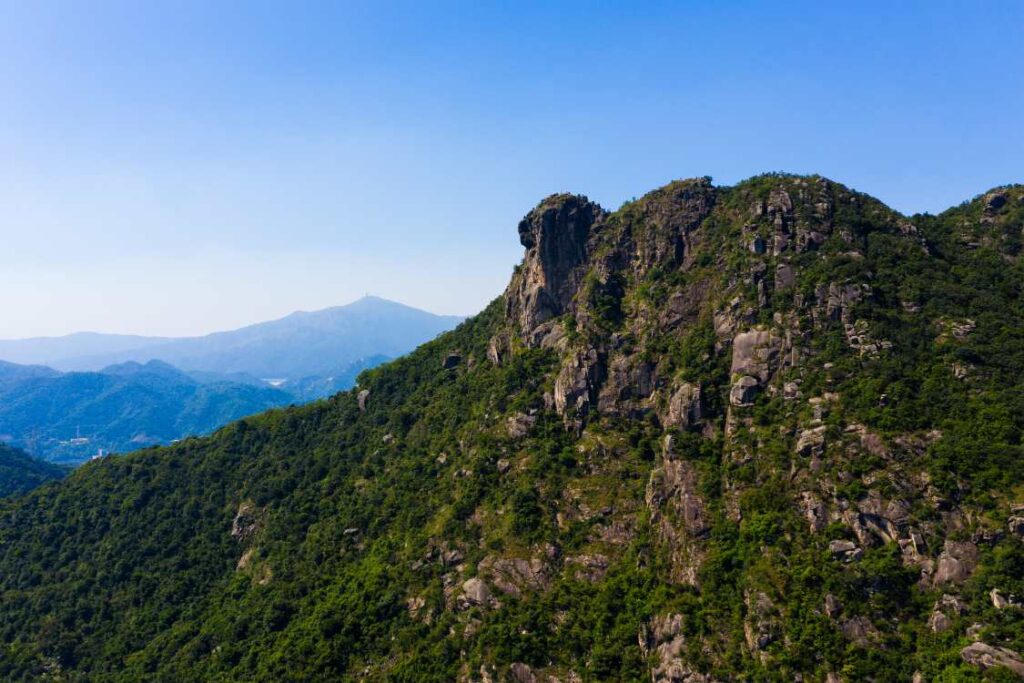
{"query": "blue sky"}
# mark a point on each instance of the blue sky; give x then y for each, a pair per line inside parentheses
(180, 167)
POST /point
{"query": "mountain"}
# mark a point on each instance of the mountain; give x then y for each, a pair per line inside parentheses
(331, 342)
(20, 472)
(11, 372)
(52, 351)
(763, 432)
(69, 417)
(316, 386)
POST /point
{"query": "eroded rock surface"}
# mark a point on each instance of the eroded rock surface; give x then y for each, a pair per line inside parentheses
(555, 235)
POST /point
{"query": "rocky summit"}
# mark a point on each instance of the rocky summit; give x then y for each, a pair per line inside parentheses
(763, 432)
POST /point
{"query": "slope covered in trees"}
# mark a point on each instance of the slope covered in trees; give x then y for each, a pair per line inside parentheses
(20, 472)
(761, 432)
(68, 417)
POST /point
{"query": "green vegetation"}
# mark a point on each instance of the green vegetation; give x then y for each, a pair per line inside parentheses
(458, 523)
(121, 408)
(20, 472)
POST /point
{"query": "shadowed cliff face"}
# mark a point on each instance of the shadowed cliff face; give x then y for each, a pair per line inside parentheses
(764, 432)
(557, 236)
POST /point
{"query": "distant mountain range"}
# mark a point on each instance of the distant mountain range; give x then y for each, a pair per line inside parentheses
(69, 417)
(55, 351)
(318, 344)
(65, 398)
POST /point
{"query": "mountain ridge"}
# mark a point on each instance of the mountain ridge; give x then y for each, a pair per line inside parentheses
(770, 431)
(20, 472)
(68, 417)
(368, 326)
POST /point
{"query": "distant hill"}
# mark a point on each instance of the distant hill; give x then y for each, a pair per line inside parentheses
(120, 392)
(52, 351)
(319, 386)
(11, 372)
(69, 417)
(20, 472)
(320, 344)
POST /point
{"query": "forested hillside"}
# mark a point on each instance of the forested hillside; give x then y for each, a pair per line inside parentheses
(762, 432)
(70, 417)
(20, 472)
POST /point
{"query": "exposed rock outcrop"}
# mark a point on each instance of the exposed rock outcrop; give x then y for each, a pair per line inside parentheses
(556, 236)
(754, 357)
(761, 627)
(744, 390)
(847, 551)
(246, 522)
(475, 593)
(989, 656)
(662, 639)
(670, 218)
(515, 576)
(946, 608)
(956, 562)
(577, 383)
(679, 512)
(685, 407)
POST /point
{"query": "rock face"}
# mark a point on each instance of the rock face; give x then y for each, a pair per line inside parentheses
(663, 641)
(956, 562)
(577, 383)
(678, 448)
(520, 424)
(556, 236)
(679, 512)
(475, 593)
(672, 216)
(744, 390)
(685, 406)
(833, 608)
(946, 608)
(1016, 525)
(762, 627)
(811, 441)
(847, 551)
(754, 354)
(515, 576)
(246, 522)
(989, 656)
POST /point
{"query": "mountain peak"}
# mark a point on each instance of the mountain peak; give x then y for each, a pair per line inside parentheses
(557, 235)
(594, 282)
(766, 431)
(151, 367)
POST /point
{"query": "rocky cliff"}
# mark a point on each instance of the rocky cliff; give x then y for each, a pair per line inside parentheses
(762, 432)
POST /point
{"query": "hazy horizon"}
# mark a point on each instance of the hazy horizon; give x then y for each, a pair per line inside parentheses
(242, 325)
(170, 169)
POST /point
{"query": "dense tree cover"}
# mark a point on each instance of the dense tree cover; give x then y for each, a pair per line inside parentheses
(330, 542)
(20, 472)
(120, 408)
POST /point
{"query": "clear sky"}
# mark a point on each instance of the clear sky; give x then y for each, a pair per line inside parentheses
(181, 167)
